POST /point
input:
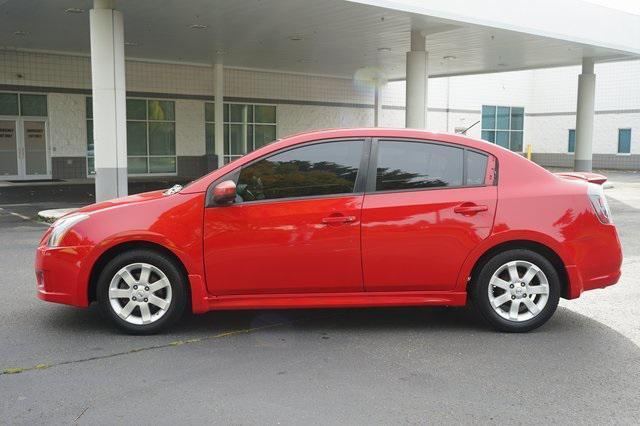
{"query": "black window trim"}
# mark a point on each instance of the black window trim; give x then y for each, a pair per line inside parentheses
(373, 166)
(359, 187)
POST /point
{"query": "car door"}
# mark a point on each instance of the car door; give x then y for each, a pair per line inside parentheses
(427, 206)
(295, 225)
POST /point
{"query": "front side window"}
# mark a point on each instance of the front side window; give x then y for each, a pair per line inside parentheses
(504, 126)
(417, 165)
(313, 170)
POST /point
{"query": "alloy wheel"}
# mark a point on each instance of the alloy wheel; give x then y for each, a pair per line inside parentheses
(140, 293)
(518, 290)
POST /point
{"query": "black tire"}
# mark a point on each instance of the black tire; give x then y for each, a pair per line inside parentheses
(480, 291)
(177, 283)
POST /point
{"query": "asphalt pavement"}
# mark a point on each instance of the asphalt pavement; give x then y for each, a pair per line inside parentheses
(63, 365)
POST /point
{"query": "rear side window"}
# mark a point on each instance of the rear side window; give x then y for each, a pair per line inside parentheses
(416, 165)
(476, 164)
(320, 169)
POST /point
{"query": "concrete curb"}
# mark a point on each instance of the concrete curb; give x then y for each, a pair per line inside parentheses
(607, 185)
(52, 215)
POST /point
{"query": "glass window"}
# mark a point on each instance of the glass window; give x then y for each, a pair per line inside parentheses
(161, 110)
(415, 165)
(209, 112)
(162, 138)
(517, 118)
(162, 164)
(137, 165)
(136, 109)
(572, 141)
(624, 141)
(504, 126)
(33, 105)
(8, 104)
(151, 136)
(476, 165)
(488, 117)
(265, 114)
(515, 143)
(502, 118)
(320, 169)
(210, 138)
(264, 135)
(89, 107)
(136, 138)
(246, 128)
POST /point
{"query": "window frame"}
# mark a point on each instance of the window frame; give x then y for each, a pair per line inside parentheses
(495, 128)
(371, 180)
(359, 186)
(127, 120)
(228, 157)
(619, 134)
(569, 133)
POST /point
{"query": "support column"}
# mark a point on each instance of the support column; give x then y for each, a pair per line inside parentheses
(109, 100)
(584, 117)
(377, 112)
(218, 89)
(416, 86)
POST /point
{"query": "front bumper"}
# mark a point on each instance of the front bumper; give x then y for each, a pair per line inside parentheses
(60, 275)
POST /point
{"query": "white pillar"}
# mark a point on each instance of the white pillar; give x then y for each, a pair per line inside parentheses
(109, 100)
(584, 117)
(416, 86)
(377, 112)
(218, 89)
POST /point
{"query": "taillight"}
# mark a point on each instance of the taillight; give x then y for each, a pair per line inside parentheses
(599, 203)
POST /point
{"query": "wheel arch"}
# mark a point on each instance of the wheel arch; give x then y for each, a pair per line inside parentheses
(112, 252)
(535, 246)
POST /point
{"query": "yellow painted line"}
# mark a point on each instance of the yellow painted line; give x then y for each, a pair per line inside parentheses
(17, 370)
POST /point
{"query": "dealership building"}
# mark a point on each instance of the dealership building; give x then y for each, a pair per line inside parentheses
(110, 90)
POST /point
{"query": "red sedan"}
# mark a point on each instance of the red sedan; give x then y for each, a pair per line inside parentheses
(342, 218)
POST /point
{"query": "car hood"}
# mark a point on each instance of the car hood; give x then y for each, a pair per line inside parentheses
(118, 202)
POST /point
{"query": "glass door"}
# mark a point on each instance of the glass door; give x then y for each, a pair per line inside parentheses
(8, 149)
(34, 151)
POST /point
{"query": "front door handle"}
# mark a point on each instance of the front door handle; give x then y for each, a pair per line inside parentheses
(338, 219)
(470, 208)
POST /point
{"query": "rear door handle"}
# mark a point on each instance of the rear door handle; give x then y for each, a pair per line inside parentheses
(338, 219)
(470, 208)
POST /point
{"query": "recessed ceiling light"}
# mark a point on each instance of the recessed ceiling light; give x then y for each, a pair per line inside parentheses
(296, 38)
(20, 33)
(73, 10)
(384, 49)
(449, 58)
(198, 27)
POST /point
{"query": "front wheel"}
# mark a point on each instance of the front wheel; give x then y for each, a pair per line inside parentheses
(141, 291)
(517, 290)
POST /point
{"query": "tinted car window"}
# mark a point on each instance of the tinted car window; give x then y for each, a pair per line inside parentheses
(476, 164)
(415, 165)
(320, 169)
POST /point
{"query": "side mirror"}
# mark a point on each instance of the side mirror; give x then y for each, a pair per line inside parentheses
(224, 192)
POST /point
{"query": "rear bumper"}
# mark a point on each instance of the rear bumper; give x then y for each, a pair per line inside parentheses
(60, 276)
(598, 262)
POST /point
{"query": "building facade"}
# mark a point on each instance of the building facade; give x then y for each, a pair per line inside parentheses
(46, 117)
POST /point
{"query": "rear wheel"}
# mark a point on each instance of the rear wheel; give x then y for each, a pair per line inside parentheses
(517, 290)
(141, 291)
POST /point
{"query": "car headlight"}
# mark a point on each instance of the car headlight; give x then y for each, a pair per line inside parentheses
(61, 226)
